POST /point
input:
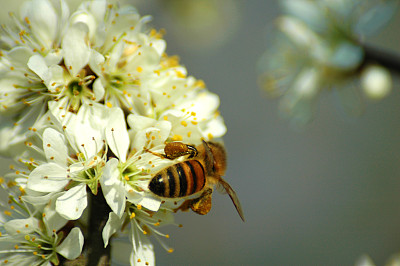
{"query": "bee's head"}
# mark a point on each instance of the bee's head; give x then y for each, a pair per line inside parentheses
(218, 157)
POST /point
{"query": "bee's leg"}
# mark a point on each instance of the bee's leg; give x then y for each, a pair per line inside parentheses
(202, 205)
(155, 153)
(174, 150)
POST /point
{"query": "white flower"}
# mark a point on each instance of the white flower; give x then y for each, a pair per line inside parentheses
(31, 235)
(317, 47)
(143, 225)
(73, 158)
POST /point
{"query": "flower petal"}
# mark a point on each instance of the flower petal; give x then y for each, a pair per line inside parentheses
(21, 226)
(116, 133)
(38, 65)
(43, 20)
(48, 177)
(113, 189)
(76, 51)
(151, 203)
(72, 203)
(54, 146)
(72, 245)
(113, 224)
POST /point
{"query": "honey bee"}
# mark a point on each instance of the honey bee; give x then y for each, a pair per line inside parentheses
(204, 167)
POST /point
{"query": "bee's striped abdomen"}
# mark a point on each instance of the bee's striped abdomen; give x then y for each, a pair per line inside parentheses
(179, 180)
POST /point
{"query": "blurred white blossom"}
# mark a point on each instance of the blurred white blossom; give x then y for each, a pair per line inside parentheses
(317, 47)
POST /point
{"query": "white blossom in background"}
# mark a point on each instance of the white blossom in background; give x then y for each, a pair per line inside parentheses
(317, 47)
(365, 260)
(84, 95)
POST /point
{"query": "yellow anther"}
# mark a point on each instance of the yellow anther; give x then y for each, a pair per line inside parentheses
(177, 138)
(109, 104)
(210, 136)
(184, 123)
(139, 69)
(27, 238)
(132, 215)
(170, 250)
(126, 177)
(200, 83)
(167, 236)
(139, 207)
(180, 74)
(16, 247)
(7, 213)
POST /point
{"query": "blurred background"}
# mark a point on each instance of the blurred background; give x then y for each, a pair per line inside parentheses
(324, 195)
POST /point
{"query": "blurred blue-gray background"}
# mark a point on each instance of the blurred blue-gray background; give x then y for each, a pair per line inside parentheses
(324, 195)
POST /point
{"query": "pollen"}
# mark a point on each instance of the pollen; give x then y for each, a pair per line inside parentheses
(139, 69)
(109, 104)
(126, 177)
(132, 215)
(177, 138)
(166, 118)
(139, 207)
(184, 123)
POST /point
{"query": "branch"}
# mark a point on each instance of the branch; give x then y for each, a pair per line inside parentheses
(382, 57)
(96, 253)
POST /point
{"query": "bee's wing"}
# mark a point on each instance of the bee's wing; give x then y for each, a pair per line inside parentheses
(232, 194)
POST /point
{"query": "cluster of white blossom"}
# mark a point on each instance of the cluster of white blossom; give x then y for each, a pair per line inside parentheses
(318, 46)
(83, 96)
